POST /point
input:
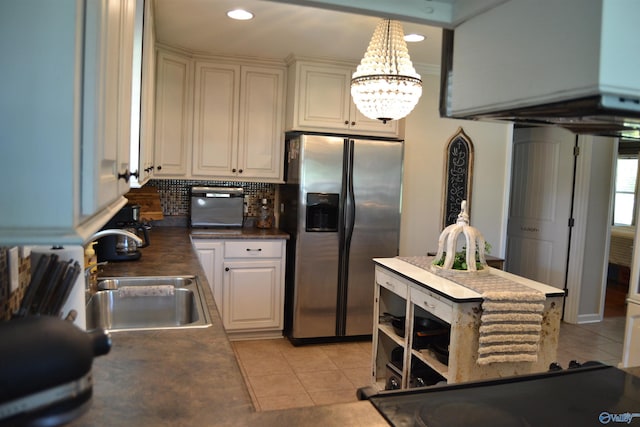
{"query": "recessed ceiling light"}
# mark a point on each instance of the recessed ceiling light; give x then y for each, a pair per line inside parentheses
(240, 14)
(413, 38)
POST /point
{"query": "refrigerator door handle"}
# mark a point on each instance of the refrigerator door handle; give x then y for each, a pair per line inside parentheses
(348, 218)
(350, 210)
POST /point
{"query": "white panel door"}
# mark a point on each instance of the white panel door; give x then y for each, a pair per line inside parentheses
(252, 295)
(210, 254)
(125, 80)
(147, 97)
(173, 114)
(540, 206)
(108, 68)
(326, 104)
(325, 97)
(261, 123)
(215, 121)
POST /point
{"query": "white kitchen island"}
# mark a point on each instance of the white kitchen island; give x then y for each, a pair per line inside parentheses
(404, 289)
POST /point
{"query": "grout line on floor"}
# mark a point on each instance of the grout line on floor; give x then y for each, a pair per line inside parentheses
(245, 377)
(576, 342)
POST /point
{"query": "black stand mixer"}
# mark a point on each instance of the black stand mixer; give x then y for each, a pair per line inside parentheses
(116, 247)
(46, 372)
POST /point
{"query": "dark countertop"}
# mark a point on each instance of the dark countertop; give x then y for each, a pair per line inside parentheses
(238, 233)
(188, 377)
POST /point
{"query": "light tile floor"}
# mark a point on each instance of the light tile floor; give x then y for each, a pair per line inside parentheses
(281, 376)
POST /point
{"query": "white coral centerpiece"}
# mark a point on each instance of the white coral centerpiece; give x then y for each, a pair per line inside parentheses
(475, 244)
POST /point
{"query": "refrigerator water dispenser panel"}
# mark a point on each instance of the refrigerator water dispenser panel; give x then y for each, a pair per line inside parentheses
(322, 212)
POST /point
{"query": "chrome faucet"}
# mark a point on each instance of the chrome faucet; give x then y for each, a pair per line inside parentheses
(90, 272)
(119, 231)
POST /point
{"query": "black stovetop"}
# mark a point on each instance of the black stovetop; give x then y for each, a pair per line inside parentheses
(586, 396)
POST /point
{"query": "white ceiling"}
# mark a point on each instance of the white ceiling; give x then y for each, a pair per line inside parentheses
(278, 30)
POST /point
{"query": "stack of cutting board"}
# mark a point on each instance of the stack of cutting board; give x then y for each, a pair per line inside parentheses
(149, 200)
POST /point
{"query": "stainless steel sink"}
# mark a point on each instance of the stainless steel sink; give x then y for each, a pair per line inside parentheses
(147, 303)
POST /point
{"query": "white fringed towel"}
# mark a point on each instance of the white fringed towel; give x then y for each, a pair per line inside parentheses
(511, 319)
(510, 326)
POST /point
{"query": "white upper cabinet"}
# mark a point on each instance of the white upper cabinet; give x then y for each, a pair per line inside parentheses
(65, 118)
(224, 120)
(174, 82)
(108, 69)
(145, 54)
(261, 127)
(319, 99)
(215, 130)
(238, 121)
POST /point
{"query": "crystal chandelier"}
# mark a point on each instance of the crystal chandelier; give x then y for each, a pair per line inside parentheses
(385, 85)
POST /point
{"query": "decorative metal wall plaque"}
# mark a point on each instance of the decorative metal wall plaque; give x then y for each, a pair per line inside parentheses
(458, 176)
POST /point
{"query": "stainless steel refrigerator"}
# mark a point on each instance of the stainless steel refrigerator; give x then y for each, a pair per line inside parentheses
(341, 207)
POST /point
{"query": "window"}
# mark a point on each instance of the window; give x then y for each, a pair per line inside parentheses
(626, 179)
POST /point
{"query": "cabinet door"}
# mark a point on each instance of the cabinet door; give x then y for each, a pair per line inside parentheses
(324, 96)
(260, 139)
(147, 96)
(364, 125)
(215, 127)
(324, 103)
(211, 255)
(108, 69)
(60, 119)
(173, 114)
(125, 85)
(252, 295)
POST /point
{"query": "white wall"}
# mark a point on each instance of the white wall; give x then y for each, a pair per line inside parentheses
(426, 138)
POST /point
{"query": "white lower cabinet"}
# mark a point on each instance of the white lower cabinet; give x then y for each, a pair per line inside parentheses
(251, 295)
(247, 280)
(210, 254)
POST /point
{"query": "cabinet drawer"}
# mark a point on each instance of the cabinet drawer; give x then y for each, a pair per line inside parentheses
(253, 249)
(433, 303)
(393, 284)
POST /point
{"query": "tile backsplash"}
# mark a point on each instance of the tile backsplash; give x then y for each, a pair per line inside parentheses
(174, 194)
